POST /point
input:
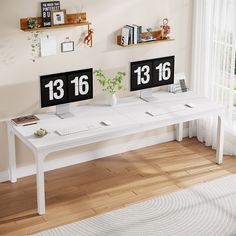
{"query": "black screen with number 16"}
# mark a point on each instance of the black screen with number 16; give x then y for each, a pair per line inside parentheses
(152, 73)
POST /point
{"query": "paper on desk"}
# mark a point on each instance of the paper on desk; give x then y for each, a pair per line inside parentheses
(163, 111)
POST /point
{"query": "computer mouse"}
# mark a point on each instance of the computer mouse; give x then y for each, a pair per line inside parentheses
(106, 123)
(190, 105)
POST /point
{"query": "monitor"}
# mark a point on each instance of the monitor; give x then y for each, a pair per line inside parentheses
(151, 73)
(64, 88)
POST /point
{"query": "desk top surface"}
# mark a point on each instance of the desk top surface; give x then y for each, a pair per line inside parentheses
(127, 117)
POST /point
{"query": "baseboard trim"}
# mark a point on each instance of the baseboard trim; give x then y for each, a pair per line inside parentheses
(4, 176)
(229, 149)
(92, 155)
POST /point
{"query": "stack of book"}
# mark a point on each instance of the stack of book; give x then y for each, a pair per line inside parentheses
(25, 120)
(131, 34)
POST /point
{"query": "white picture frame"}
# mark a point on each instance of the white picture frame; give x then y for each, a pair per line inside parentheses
(67, 46)
(58, 17)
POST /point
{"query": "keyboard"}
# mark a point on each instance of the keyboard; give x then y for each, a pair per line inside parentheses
(77, 129)
(163, 111)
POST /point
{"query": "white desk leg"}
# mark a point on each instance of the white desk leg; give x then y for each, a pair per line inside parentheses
(179, 132)
(190, 129)
(11, 153)
(220, 140)
(40, 183)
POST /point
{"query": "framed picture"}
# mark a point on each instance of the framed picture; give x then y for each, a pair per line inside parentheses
(58, 17)
(68, 46)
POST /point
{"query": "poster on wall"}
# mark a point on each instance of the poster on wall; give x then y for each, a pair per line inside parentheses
(48, 46)
(46, 8)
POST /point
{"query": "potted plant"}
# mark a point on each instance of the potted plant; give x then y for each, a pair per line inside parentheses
(111, 85)
(32, 23)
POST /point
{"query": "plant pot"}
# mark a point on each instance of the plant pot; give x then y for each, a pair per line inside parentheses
(112, 99)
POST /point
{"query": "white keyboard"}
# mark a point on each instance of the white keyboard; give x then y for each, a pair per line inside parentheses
(76, 129)
(163, 111)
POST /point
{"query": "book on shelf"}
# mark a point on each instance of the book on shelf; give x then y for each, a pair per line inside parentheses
(125, 36)
(25, 120)
(139, 33)
(131, 34)
(135, 35)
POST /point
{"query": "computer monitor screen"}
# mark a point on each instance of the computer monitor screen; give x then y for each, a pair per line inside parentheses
(57, 89)
(152, 73)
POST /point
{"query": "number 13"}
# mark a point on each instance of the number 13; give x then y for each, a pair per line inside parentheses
(140, 79)
(59, 86)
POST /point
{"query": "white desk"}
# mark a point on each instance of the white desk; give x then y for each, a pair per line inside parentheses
(127, 118)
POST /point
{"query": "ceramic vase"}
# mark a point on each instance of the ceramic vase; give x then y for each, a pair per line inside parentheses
(112, 99)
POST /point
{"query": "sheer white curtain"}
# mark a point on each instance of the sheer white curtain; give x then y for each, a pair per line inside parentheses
(213, 60)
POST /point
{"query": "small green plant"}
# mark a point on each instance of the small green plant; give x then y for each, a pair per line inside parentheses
(110, 85)
(32, 23)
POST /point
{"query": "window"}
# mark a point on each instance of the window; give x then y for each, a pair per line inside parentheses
(225, 60)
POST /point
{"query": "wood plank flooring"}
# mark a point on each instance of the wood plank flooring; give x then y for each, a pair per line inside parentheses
(95, 187)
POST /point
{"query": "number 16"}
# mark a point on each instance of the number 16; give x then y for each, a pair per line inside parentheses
(164, 71)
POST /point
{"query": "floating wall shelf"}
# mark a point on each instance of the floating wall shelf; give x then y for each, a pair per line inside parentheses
(155, 34)
(71, 21)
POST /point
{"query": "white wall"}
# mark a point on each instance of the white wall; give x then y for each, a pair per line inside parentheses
(19, 77)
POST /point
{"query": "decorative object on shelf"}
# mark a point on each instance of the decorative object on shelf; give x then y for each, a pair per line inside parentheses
(32, 23)
(111, 85)
(80, 9)
(68, 46)
(46, 8)
(58, 17)
(89, 38)
(149, 35)
(40, 133)
(165, 29)
(79, 20)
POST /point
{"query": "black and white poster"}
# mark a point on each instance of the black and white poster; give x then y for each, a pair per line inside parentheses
(46, 8)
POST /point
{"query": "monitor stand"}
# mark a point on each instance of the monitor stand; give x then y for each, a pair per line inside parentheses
(63, 111)
(147, 96)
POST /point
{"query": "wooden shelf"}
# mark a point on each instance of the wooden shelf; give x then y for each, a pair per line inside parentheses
(71, 21)
(58, 26)
(155, 34)
(144, 43)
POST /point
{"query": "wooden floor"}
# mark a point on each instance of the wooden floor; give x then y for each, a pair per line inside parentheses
(99, 186)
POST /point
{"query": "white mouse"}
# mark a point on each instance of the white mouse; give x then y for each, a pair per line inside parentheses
(190, 105)
(106, 123)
